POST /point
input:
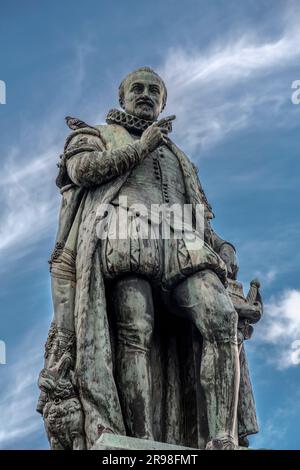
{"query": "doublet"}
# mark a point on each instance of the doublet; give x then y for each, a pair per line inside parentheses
(112, 159)
(157, 180)
(151, 249)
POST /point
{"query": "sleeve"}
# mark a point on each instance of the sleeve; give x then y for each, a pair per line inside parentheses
(227, 253)
(90, 164)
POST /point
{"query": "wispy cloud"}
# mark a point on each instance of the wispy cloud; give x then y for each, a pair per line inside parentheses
(214, 92)
(29, 198)
(237, 83)
(19, 421)
(281, 329)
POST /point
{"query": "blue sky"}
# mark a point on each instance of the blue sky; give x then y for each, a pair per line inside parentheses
(228, 67)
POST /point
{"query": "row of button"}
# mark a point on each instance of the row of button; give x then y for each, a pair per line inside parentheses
(158, 175)
(165, 192)
(161, 152)
(156, 168)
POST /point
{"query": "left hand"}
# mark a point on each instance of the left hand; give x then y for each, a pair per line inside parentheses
(228, 255)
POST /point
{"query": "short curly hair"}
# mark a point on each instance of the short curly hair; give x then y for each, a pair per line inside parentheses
(141, 69)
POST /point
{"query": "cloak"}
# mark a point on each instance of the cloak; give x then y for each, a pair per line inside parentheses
(83, 317)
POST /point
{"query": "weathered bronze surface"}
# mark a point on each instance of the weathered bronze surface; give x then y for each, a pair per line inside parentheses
(147, 335)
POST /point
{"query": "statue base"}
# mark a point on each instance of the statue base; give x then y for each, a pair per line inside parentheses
(109, 441)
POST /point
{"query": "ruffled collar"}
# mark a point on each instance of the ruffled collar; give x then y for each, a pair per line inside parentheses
(128, 121)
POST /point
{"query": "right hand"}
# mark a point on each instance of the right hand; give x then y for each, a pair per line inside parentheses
(156, 134)
(153, 137)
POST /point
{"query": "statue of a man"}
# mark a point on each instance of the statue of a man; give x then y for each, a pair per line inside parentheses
(148, 322)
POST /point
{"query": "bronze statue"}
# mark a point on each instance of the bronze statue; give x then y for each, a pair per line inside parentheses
(156, 324)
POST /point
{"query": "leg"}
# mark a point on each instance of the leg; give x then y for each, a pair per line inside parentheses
(133, 307)
(55, 444)
(204, 300)
(78, 442)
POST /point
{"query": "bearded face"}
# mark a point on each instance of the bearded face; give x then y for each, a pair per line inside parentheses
(143, 95)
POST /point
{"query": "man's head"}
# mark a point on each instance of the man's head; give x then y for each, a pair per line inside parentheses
(143, 93)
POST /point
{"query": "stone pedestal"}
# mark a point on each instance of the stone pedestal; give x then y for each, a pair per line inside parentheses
(109, 441)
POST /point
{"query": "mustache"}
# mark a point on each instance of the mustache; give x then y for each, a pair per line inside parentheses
(144, 100)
